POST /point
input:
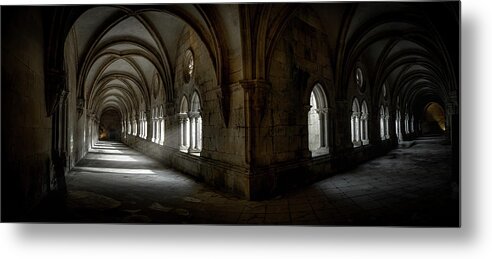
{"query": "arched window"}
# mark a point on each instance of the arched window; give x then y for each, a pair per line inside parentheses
(143, 127)
(135, 124)
(154, 137)
(156, 125)
(386, 122)
(364, 117)
(144, 114)
(184, 125)
(355, 123)
(318, 122)
(123, 127)
(129, 124)
(161, 125)
(382, 127)
(398, 125)
(195, 124)
(411, 123)
(141, 124)
(406, 124)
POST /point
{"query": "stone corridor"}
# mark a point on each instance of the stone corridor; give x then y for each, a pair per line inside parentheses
(407, 187)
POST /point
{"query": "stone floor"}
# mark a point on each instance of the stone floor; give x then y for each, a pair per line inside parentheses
(409, 186)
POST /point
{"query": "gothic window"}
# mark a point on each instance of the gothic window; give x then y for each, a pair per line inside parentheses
(157, 125)
(123, 127)
(189, 66)
(364, 117)
(383, 122)
(184, 125)
(161, 126)
(195, 124)
(154, 125)
(141, 125)
(407, 128)
(382, 128)
(398, 125)
(318, 122)
(129, 123)
(355, 123)
(155, 85)
(411, 124)
(144, 125)
(386, 122)
(135, 123)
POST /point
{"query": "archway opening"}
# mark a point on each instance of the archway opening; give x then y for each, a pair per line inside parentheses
(110, 126)
(313, 124)
(318, 122)
(434, 120)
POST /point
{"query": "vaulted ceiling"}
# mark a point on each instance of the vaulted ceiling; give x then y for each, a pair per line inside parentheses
(123, 55)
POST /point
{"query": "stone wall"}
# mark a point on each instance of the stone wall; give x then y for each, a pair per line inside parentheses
(220, 141)
(301, 60)
(221, 175)
(221, 161)
(26, 130)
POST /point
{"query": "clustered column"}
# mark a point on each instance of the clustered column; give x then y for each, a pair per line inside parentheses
(356, 128)
(184, 126)
(323, 124)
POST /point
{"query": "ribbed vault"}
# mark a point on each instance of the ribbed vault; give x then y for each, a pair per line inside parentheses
(403, 50)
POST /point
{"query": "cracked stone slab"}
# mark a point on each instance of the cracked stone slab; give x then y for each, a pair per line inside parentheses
(159, 207)
(91, 200)
(191, 199)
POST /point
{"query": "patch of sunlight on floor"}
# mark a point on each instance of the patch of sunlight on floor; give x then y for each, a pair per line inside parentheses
(105, 151)
(108, 157)
(113, 170)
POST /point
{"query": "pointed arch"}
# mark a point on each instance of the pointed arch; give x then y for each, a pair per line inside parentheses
(318, 142)
(364, 118)
(355, 123)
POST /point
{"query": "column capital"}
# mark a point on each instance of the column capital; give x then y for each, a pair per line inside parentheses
(324, 110)
(194, 114)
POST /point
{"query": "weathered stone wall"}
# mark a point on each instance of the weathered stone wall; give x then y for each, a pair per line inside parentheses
(300, 60)
(77, 128)
(26, 130)
(220, 141)
(221, 161)
(222, 175)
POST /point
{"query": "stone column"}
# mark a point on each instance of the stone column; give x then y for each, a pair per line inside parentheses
(199, 133)
(324, 128)
(148, 130)
(192, 133)
(162, 128)
(343, 127)
(256, 93)
(357, 128)
(184, 134)
(157, 132)
(153, 130)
